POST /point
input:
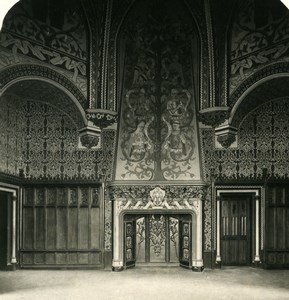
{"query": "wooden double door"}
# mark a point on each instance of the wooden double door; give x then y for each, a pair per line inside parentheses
(157, 239)
(236, 229)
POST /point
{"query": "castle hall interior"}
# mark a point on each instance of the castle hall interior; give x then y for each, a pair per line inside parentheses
(144, 133)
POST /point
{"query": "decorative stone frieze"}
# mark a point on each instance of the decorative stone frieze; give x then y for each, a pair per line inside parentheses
(157, 197)
(101, 118)
(214, 116)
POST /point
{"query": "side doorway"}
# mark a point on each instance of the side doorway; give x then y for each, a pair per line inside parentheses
(4, 245)
(236, 229)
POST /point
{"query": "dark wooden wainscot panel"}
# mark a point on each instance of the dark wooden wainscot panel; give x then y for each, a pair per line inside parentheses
(277, 227)
(62, 227)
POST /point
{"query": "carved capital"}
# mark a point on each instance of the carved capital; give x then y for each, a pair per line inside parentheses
(101, 118)
(214, 116)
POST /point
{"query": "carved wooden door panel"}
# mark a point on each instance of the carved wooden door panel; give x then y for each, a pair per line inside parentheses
(129, 243)
(235, 230)
(185, 243)
(157, 239)
(276, 251)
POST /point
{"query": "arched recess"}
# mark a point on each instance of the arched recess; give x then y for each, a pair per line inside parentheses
(44, 84)
(264, 90)
(269, 83)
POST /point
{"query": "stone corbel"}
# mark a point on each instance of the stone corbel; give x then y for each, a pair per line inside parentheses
(98, 119)
(226, 135)
(89, 136)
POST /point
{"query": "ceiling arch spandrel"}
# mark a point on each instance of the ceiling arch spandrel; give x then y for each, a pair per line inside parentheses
(259, 37)
(53, 32)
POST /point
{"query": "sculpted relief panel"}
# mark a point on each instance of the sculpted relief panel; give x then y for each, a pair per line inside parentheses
(158, 134)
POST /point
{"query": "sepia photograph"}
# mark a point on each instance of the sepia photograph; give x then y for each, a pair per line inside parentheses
(144, 149)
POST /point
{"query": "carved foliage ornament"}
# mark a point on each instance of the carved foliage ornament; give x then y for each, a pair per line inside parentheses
(151, 197)
(255, 44)
(143, 192)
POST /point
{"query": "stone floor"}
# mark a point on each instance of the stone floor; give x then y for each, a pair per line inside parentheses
(146, 283)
